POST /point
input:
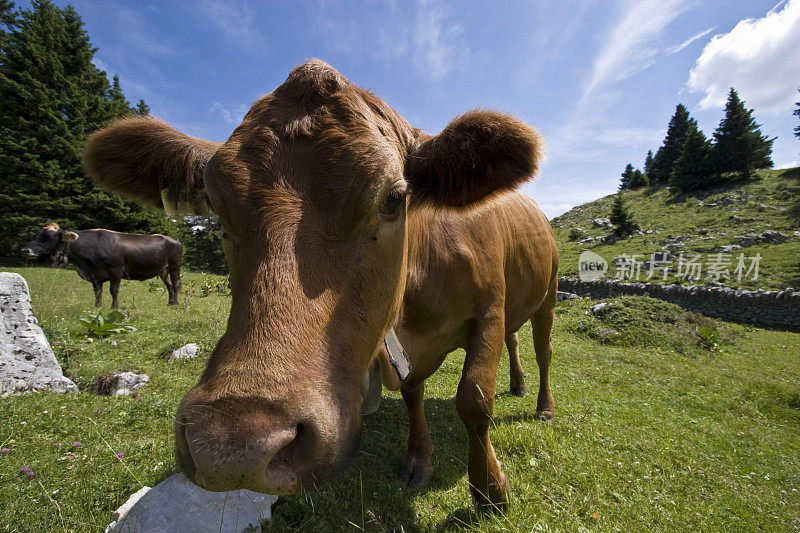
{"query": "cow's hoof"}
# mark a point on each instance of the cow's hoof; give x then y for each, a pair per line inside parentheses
(497, 500)
(414, 474)
(517, 390)
(546, 415)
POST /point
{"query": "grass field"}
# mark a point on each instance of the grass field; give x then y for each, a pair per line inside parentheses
(652, 432)
(769, 201)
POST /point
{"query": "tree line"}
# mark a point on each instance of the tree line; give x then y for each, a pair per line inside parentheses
(51, 97)
(688, 161)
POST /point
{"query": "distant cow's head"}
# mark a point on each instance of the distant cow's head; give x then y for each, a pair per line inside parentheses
(313, 189)
(48, 242)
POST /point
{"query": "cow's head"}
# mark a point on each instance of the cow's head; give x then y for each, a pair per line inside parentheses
(313, 189)
(50, 241)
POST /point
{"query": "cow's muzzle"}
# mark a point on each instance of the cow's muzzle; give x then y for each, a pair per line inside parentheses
(27, 253)
(225, 447)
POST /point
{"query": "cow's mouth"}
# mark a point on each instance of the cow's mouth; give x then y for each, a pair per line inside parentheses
(250, 454)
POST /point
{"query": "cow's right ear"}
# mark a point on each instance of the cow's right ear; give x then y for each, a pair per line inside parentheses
(70, 236)
(147, 160)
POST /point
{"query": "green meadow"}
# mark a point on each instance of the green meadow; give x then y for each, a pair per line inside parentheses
(655, 429)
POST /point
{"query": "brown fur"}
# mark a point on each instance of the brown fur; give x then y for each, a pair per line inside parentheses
(320, 261)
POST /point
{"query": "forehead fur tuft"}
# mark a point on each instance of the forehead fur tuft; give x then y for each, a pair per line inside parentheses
(51, 226)
(312, 82)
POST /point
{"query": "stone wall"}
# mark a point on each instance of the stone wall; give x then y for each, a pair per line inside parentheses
(765, 308)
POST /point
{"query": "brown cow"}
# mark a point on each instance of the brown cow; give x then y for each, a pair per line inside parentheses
(325, 193)
(101, 255)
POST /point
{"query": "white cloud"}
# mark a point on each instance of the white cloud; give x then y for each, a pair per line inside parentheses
(758, 57)
(237, 21)
(687, 42)
(232, 116)
(628, 49)
(434, 50)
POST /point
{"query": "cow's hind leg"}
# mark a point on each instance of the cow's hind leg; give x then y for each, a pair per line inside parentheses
(175, 279)
(114, 289)
(170, 289)
(416, 470)
(517, 387)
(475, 404)
(98, 293)
(542, 323)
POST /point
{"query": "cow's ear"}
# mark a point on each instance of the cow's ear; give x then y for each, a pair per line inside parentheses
(70, 236)
(147, 160)
(478, 154)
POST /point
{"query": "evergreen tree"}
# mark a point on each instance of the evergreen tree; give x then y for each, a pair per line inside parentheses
(663, 161)
(118, 105)
(624, 183)
(142, 109)
(648, 164)
(739, 145)
(51, 97)
(8, 20)
(691, 171)
(621, 217)
(202, 244)
(638, 180)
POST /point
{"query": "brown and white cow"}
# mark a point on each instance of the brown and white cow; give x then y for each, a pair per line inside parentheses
(338, 212)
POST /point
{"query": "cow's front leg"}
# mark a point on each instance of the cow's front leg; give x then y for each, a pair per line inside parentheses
(114, 289)
(98, 293)
(475, 404)
(416, 469)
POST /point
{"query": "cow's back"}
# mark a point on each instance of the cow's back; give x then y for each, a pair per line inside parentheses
(463, 264)
(134, 256)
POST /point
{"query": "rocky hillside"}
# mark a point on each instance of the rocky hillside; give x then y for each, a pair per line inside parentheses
(724, 230)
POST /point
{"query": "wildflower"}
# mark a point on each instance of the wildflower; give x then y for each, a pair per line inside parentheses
(5, 450)
(24, 469)
(30, 474)
(76, 444)
(134, 395)
(120, 455)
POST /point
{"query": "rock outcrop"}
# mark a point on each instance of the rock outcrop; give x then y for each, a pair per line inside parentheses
(177, 504)
(27, 362)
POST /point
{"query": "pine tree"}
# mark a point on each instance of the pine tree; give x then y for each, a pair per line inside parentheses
(51, 97)
(8, 20)
(663, 161)
(692, 170)
(638, 180)
(621, 216)
(118, 105)
(739, 145)
(648, 164)
(142, 109)
(624, 183)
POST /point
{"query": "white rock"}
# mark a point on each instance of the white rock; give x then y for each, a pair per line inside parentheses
(595, 309)
(27, 362)
(177, 504)
(187, 351)
(126, 382)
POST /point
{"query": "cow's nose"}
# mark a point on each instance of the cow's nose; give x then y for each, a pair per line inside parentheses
(248, 452)
(26, 251)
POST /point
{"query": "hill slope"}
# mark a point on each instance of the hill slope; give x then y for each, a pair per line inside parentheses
(700, 223)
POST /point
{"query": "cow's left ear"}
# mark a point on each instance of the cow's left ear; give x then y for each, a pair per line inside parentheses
(478, 154)
(70, 236)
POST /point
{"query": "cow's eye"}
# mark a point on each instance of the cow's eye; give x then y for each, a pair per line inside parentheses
(393, 205)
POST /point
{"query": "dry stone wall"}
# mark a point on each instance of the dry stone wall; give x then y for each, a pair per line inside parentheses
(765, 308)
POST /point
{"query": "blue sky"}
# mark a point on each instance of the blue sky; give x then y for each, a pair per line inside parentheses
(599, 78)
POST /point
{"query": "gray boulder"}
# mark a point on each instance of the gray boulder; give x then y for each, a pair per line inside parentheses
(27, 362)
(177, 504)
(124, 383)
(602, 223)
(187, 351)
(562, 295)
